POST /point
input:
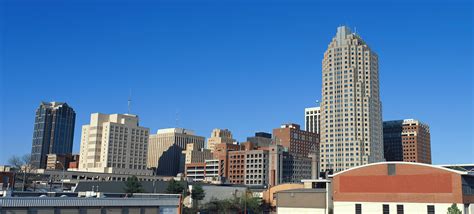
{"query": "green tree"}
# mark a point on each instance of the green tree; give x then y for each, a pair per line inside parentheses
(175, 187)
(246, 203)
(197, 194)
(132, 185)
(454, 209)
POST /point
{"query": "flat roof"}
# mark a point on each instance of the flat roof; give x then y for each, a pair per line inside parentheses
(303, 191)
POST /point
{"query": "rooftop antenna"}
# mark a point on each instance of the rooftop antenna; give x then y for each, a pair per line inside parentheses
(129, 101)
(177, 118)
(355, 30)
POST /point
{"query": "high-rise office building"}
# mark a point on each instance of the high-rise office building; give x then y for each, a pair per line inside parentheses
(351, 115)
(311, 119)
(53, 132)
(114, 143)
(407, 140)
(165, 151)
(219, 136)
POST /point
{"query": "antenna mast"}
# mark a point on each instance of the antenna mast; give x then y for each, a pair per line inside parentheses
(129, 101)
(177, 118)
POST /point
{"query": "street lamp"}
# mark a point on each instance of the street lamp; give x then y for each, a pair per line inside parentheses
(62, 180)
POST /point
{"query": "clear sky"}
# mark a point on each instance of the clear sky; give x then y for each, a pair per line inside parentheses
(243, 65)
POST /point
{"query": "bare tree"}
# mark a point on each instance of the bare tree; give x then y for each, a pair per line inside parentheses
(22, 165)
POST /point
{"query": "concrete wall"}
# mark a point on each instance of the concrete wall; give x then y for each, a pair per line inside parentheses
(301, 199)
(292, 210)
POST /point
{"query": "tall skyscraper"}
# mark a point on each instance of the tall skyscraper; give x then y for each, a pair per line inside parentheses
(53, 132)
(219, 136)
(351, 115)
(407, 140)
(165, 152)
(311, 119)
(114, 143)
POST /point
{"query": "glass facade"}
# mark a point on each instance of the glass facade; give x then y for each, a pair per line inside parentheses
(53, 132)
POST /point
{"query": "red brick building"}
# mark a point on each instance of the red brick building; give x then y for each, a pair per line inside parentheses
(402, 187)
(297, 141)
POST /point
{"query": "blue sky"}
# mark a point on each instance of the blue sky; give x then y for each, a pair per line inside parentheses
(243, 65)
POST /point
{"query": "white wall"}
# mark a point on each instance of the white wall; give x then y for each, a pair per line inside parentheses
(377, 207)
(293, 210)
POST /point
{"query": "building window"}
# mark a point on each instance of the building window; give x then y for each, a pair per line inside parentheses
(400, 209)
(358, 209)
(431, 209)
(386, 209)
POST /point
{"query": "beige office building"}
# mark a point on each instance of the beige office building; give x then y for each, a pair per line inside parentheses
(351, 117)
(219, 136)
(114, 143)
(165, 153)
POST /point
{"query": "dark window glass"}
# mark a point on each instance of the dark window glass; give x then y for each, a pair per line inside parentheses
(358, 209)
(399, 209)
(431, 209)
(386, 209)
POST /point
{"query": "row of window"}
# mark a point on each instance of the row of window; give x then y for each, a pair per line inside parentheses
(430, 209)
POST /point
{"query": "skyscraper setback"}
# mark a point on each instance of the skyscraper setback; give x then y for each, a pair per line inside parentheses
(53, 132)
(351, 117)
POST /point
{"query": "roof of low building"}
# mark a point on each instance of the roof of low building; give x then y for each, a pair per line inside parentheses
(304, 190)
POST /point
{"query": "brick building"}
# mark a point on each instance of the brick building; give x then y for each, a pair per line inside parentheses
(407, 140)
(402, 187)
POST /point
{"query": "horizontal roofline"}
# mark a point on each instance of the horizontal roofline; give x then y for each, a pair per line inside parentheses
(400, 162)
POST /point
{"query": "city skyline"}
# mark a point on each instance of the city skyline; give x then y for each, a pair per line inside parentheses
(250, 101)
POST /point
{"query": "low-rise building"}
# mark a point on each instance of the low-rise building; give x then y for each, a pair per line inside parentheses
(195, 171)
(61, 161)
(207, 171)
(212, 171)
(7, 180)
(314, 197)
(403, 187)
(92, 202)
